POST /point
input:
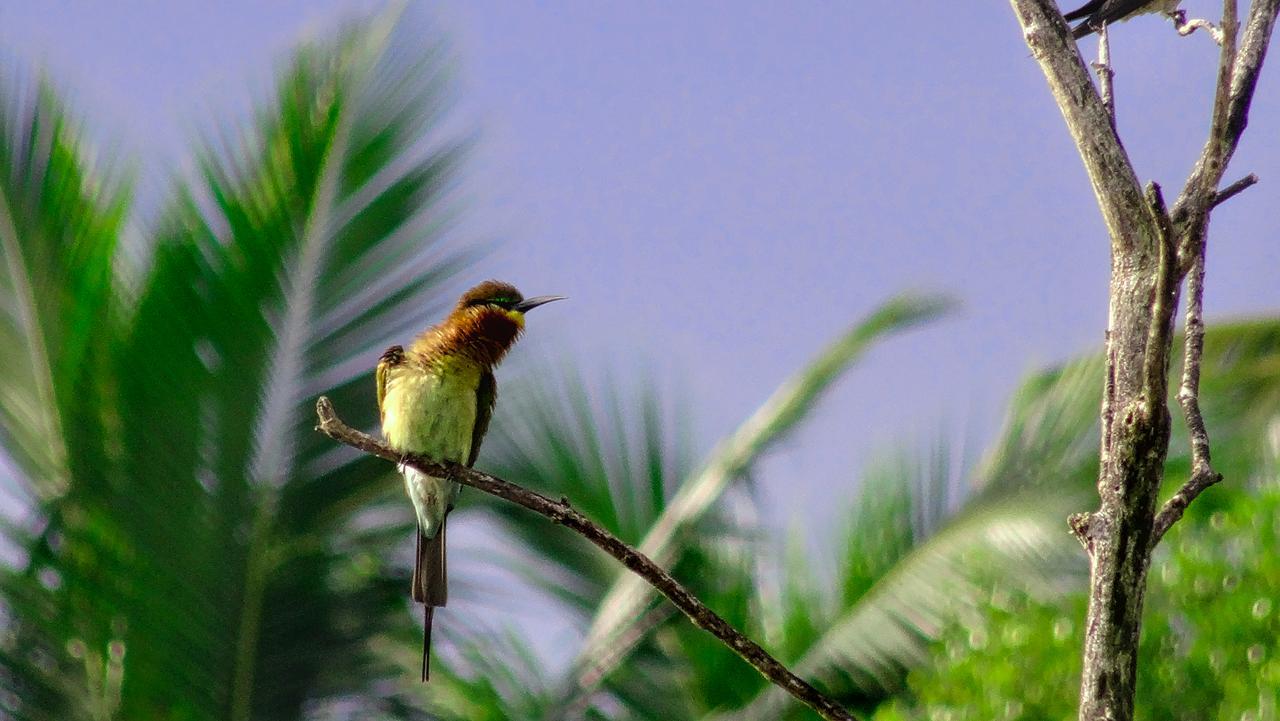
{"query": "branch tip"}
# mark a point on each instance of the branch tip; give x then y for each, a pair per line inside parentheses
(1234, 189)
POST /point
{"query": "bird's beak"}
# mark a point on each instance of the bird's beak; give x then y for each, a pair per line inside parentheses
(530, 303)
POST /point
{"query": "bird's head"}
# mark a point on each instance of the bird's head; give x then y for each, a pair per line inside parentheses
(492, 314)
(495, 298)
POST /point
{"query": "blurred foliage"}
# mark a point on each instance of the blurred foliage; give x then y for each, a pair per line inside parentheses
(184, 547)
(186, 550)
(1210, 643)
(613, 629)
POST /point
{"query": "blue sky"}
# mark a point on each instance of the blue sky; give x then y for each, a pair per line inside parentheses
(723, 187)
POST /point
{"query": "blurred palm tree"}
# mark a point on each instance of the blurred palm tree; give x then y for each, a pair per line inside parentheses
(183, 547)
(188, 547)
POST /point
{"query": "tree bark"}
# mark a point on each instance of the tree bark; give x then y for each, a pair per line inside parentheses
(1152, 251)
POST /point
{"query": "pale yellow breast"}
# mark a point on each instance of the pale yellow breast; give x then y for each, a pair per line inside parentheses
(431, 411)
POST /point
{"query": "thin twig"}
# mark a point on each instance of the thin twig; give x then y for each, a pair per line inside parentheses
(561, 512)
(1239, 66)
(1186, 26)
(607, 641)
(1106, 74)
(1202, 473)
(1164, 305)
(1234, 189)
(1238, 70)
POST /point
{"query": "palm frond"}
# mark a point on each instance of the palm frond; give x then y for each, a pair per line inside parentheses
(60, 214)
(216, 549)
(627, 598)
(492, 676)
(907, 571)
(616, 454)
(899, 594)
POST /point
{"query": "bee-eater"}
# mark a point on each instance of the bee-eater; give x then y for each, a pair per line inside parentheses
(1104, 12)
(435, 399)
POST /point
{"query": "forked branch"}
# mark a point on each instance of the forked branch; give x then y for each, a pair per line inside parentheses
(1152, 252)
(1238, 69)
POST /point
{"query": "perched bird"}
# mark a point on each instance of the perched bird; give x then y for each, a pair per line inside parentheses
(435, 399)
(1097, 13)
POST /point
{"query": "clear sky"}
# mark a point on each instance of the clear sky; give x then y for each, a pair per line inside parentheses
(722, 187)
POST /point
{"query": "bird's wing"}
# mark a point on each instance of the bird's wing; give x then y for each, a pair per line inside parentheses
(393, 356)
(486, 397)
(1106, 11)
(1084, 10)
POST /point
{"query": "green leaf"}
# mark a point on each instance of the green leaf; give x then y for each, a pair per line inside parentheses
(616, 454)
(909, 570)
(213, 554)
(490, 677)
(734, 456)
(60, 215)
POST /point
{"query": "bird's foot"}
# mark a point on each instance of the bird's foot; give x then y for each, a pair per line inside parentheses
(452, 472)
(400, 464)
(1186, 26)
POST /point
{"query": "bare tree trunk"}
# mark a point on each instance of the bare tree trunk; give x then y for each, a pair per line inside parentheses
(1152, 251)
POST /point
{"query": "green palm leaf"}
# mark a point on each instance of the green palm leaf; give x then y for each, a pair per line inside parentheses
(490, 677)
(616, 455)
(216, 554)
(60, 215)
(901, 583)
(326, 230)
(899, 594)
(628, 597)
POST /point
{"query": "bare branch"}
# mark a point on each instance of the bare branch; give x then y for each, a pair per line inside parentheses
(561, 512)
(1106, 73)
(1114, 181)
(1080, 525)
(1202, 473)
(1185, 27)
(1238, 71)
(1160, 333)
(1234, 189)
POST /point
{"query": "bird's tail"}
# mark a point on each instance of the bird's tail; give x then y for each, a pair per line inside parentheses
(430, 586)
(428, 611)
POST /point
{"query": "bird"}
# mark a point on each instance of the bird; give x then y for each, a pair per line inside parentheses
(435, 399)
(1104, 12)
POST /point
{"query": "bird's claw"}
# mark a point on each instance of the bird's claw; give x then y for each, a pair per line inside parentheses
(400, 466)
